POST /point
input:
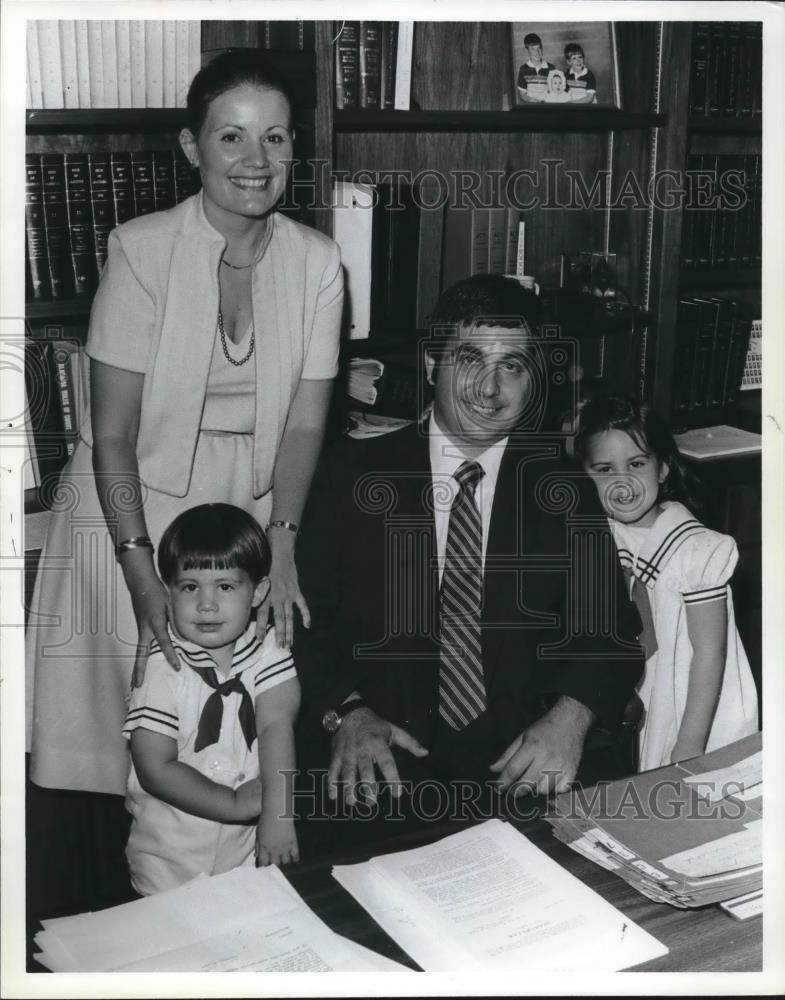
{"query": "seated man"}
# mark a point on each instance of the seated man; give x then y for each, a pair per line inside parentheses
(469, 619)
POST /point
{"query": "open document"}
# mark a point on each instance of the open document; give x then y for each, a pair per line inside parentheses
(249, 920)
(488, 898)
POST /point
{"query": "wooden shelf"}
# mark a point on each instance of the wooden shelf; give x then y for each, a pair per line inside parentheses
(747, 276)
(105, 120)
(725, 126)
(533, 119)
(58, 309)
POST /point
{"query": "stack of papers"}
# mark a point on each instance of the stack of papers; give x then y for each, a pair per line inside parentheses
(488, 899)
(688, 834)
(249, 920)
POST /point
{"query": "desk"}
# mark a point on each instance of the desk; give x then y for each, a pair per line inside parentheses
(705, 940)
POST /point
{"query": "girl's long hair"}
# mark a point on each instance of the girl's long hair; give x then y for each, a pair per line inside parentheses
(649, 431)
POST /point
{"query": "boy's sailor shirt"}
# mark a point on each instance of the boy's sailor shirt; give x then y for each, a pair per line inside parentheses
(167, 846)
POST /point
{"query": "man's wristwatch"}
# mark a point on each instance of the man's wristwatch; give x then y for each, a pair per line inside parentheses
(333, 717)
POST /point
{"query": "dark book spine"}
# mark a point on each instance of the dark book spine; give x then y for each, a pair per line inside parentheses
(690, 227)
(747, 64)
(389, 54)
(58, 243)
(699, 67)
(716, 78)
(738, 352)
(705, 347)
(122, 187)
(347, 64)
(718, 375)
(186, 178)
(757, 217)
(102, 203)
(44, 412)
(732, 68)
(370, 64)
(61, 360)
(283, 36)
(686, 339)
(163, 179)
(757, 71)
(35, 230)
(80, 222)
(706, 246)
(143, 185)
(306, 36)
(734, 170)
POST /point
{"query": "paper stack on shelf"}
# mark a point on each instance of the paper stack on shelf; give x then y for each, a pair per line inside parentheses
(688, 834)
(249, 920)
(486, 898)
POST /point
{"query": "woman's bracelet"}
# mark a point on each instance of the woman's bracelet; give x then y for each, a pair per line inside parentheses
(289, 525)
(137, 542)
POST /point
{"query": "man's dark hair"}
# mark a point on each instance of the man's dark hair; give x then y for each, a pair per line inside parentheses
(490, 299)
(214, 536)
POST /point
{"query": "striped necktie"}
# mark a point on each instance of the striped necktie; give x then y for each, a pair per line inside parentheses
(461, 684)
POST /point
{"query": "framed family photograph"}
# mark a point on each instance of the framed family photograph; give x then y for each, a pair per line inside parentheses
(565, 62)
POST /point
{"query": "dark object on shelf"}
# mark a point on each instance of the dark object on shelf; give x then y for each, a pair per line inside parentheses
(582, 315)
(533, 118)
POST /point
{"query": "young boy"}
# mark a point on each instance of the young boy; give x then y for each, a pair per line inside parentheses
(533, 74)
(194, 788)
(581, 84)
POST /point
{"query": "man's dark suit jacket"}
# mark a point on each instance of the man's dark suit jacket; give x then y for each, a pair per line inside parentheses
(556, 618)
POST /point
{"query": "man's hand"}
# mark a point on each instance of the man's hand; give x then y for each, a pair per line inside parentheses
(276, 841)
(545, 757)
(362, 745)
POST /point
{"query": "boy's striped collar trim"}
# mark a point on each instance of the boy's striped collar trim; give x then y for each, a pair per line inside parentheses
(245, 648)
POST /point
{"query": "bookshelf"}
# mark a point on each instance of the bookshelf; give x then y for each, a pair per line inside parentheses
(545, 119)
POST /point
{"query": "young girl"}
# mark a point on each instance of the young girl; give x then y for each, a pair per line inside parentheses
(697, 690)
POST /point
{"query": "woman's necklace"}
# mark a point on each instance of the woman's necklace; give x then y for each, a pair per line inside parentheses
(227, 355)
(237, 267)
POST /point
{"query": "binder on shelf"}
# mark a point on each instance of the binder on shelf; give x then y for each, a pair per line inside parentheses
(110, 64)
(186, 179)
(138, 68)
(347, 64)
(163, 179)
(102, 202)
(154, 63)
(45, 411)
(370, 51)
(82, 63)
(67, 30)
(465, 244)
(95, 55)
(51, 64)
(394, 263)
(124, 86)
(122, 186)
(699, 67)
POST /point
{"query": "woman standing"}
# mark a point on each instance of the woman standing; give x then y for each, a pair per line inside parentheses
(213, 344)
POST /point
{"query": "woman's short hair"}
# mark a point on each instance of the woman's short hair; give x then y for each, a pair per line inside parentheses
(230, 69)
(214, 536)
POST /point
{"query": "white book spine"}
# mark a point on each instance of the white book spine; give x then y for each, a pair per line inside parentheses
(34, 67)
(82, 64)
(51, 66)
(109, 46)
(403, 66)
(123, 32)
(182, 68)
(95, 53)
(169, 61)
(68, 62)
(154, 60)
(353, 232)
(138, 78)
(194, 48)
(520, 262)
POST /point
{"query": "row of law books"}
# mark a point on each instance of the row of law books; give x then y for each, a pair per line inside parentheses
(688, 834)
(726, 69)
(74, 200)
(712, 338)
(56, 402)
(111, 64)
(729, 234)
(373, 64)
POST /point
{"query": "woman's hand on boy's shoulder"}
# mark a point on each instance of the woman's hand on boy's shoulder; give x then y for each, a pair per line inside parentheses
(276, 841)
